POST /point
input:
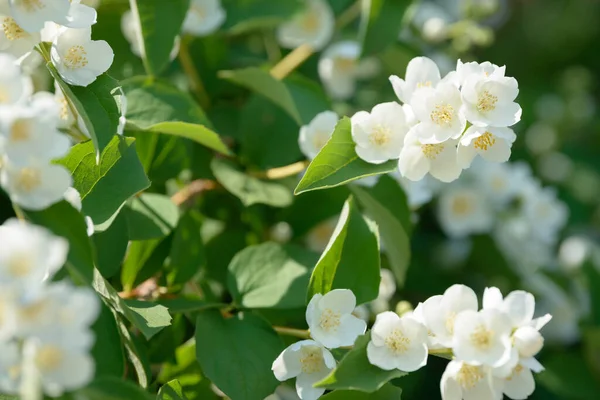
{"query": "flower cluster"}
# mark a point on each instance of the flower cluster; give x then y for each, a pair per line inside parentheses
(45, 336)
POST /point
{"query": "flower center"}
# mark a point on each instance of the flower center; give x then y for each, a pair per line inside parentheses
(311, 360)
(450, 322)
(482, 337)
(32, 312)
(468, 376)
(442, 115)
(344, 64)
(19, 265)
(431, 151)
(487, 102)
(310, 21)
(76, 57)
(12, 30)
(32, 5)
(64, 108)
(4, 97)
(461, 206)
(49, 358)
(319, 139)
(498, 183)
(28, 179)
(518, 369)
(485, 141)
(330, 320)
(198, 10)
(397, 342)
(423, 84)
(20, 131)
(380, 135)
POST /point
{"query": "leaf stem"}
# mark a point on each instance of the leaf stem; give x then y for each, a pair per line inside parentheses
(291, 61)
(349, 15)
(299, 333)
(283, 172)
(191, 72)
(18, 212)
(192, 189)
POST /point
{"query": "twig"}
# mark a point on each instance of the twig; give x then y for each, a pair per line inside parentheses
(283, 172)
(292, 61)
(191, 72)
(299, 333)
(192, 189)
(349, 15)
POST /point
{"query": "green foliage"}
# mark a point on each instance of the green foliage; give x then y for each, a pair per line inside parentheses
(379, 24)
(112, 389)
(171, 391)
(387, 392)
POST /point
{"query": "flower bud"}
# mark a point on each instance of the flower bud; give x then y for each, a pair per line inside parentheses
(528, 341)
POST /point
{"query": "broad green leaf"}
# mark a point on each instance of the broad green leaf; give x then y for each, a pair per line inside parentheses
(244, 16)
(261, 82)
(270, 275)
(144, 259)
(386, 205)
(150, 216)
(111, 246)
(171, 391)
(351, 259)
(105, 187)
(567, 376)
(112, 389)
(248, 189)
(387, 392)
(242, 346)
(337, 163)
(187, 251)
(355, 372)
(380, 24)
(160, 24)
(108, 349)
(96, 105)
(198, 133)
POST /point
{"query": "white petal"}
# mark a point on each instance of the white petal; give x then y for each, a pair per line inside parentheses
(399, 87)
(492, 298)
(287, 365)
(339, 300)
(381, 357)
(304, 386)
(412, 163)
(520, 306)
(350, 328)
(498, 152)
(528, 341)
(521, 384)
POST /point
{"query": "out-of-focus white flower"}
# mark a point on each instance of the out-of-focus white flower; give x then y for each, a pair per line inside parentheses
(440, 312)
(65, 115)
(417, 159)
(10, 362)
(440, 113)
(498, 181)
(417, 192)
(490, 101)
(204, 17)
(29, 254)
(545, 211)
(470, 70)
(463, 211)
(73, 197)
(397, 343)
(14, 39)
(318, 237)
(340, 68)
(31, 15)
(313, 26)
(79, 59)
(35, 186)
(519, 385)
(573, 252)
(492, 144)
(318, 131)
(469, 382)
(362, 312)
(387, 289)
(130, 26)
(15, 87)
(308, 362)
(330, 318)
(379, 135)
(421, 72)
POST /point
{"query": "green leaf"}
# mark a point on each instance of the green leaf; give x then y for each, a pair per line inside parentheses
(380, 24)
(112, 389)
(337, 163)
(270, 275)
(593, 277)
(138, 254)
(248, 189)
(387, 392)
(108, 349)
(160, 24)
(105, 187)
(95, 105)
(244, 16)
(188, 304)
(386, 205)
(150, 216)
(567, 376)
(351, 259)
(198, 133)
(187, 251)
(355, 372)
(243, 346)
(261, 82)
(111, 246)
(171, 391)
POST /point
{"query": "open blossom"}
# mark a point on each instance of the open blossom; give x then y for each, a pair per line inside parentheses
(397, 343)
(466, 71)
(313, 26)
(308, 362)
(204, 17)
(463, 211)
(318, 131)
(13, 38)
(493, 144)
(32, 15)
(330, 319)
(80, 15)
(14, 86)
(379, 135)
(519, 384)
(79, 59)
(489, 101)
(546, 213)
(421, 72)
(469, 382)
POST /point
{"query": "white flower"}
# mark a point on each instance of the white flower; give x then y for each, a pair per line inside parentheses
(418, 158)
(466, 71)
(65, 115)
(362, 312)
(417, 192)
(493, 144)
(14, 85)
(340, 68)
(35, 186)
(78, 59)
(29, 254)
(469, 382)
(31, 15)
(546, 213)
(489, 101)
(318, 131)
(417, 315)
(379, 135)
(440, 312)
(519, 385)
(463, 211)
(330, 319)
(500, 182)
(421, 72)
(519, 305)
(439, 111)
(318, 237)
(528, 341)
(204, 17)
(482, 338)
(308, 362)
(13, 38)
(9, 363)
(387, 289)
(80, 15)
(313, 26)
(397, 343)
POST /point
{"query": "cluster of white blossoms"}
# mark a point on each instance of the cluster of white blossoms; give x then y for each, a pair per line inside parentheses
(45, 336)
